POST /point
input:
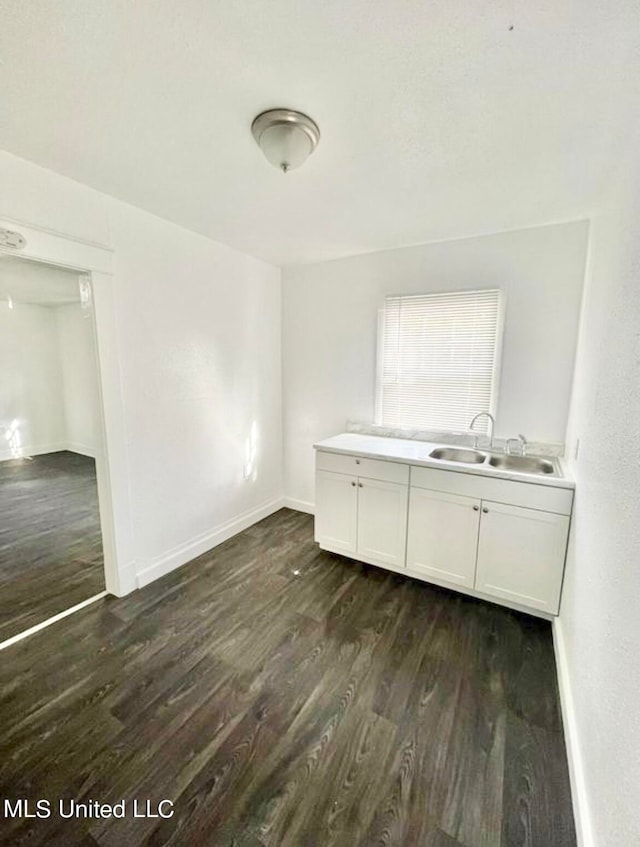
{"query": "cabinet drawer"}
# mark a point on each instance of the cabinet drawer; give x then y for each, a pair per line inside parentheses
(527, 494)
(359, 466)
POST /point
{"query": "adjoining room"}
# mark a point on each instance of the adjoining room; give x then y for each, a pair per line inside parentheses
(50, 540)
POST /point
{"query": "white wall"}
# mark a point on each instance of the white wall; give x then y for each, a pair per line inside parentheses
(30, 380)
(599, 626)
(76, 349)
(329, 332)
(200, 343)
(48, 379)
(199, 329)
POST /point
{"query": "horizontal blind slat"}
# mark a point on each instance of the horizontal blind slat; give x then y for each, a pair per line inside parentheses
(439, 358)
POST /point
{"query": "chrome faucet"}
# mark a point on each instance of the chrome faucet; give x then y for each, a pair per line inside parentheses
(521, 440)
(493, 426)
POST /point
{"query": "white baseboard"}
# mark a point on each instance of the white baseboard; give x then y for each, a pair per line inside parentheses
(82, 449)
(299, 505)
(33, 450)
(581, 812)
(184, 553)
(54, 447)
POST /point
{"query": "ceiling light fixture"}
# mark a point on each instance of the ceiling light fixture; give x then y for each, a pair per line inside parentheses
(286, 138)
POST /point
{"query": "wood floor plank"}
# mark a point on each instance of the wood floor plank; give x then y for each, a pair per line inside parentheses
(283, 785)
(209, 797)
(192, 764)
(532, 689)
(343, 794)
(282, 696)
(536, 788)
(50, 538)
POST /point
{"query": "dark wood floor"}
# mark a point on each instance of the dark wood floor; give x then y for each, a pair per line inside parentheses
(282, 696)
(50, 541)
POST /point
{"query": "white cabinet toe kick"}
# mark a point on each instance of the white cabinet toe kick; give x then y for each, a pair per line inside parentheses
(496, 539)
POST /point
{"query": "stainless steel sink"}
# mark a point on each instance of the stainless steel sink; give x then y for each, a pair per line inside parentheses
(523, 464)
(499, 461)
(457, 454)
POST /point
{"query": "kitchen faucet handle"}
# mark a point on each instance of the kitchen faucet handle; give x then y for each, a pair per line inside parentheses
(520, 439)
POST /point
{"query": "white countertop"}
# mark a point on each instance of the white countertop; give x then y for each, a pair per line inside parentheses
(412, 452)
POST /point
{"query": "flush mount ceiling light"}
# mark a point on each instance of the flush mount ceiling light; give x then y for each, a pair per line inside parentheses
(286, 138)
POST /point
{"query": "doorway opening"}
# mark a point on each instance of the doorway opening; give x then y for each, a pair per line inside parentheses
(51, 434)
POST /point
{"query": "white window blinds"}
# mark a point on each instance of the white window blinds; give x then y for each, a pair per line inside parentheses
(438, 362)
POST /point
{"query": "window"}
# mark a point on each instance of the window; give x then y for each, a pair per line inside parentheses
(438, 360)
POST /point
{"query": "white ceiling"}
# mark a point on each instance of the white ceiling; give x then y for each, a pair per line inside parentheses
(37, 283)
(439, 119)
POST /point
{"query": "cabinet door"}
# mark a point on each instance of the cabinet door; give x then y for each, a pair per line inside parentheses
(442, 537)
(382, 521)
(336, 511)
(521, 555)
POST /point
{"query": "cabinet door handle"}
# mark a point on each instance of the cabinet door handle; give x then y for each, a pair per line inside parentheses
(476, 508)
(357, 461)
(359, 485)
(485, 510)
(353, 483)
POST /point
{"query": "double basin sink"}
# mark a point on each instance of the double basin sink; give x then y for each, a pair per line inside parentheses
(499, 461)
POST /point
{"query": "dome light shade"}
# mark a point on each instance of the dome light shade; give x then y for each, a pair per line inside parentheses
(286, 138)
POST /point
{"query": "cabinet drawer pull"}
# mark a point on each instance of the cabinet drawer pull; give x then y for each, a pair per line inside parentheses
(485, 510)
(476, 508)
(357, 461)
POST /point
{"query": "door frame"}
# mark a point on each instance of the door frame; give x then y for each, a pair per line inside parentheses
(112, 466)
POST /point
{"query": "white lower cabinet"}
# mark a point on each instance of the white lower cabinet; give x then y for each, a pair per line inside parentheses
(521, 555)
(487, 536)
(382, 521)
(359, 515)
(336, 523)
(442, 537)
